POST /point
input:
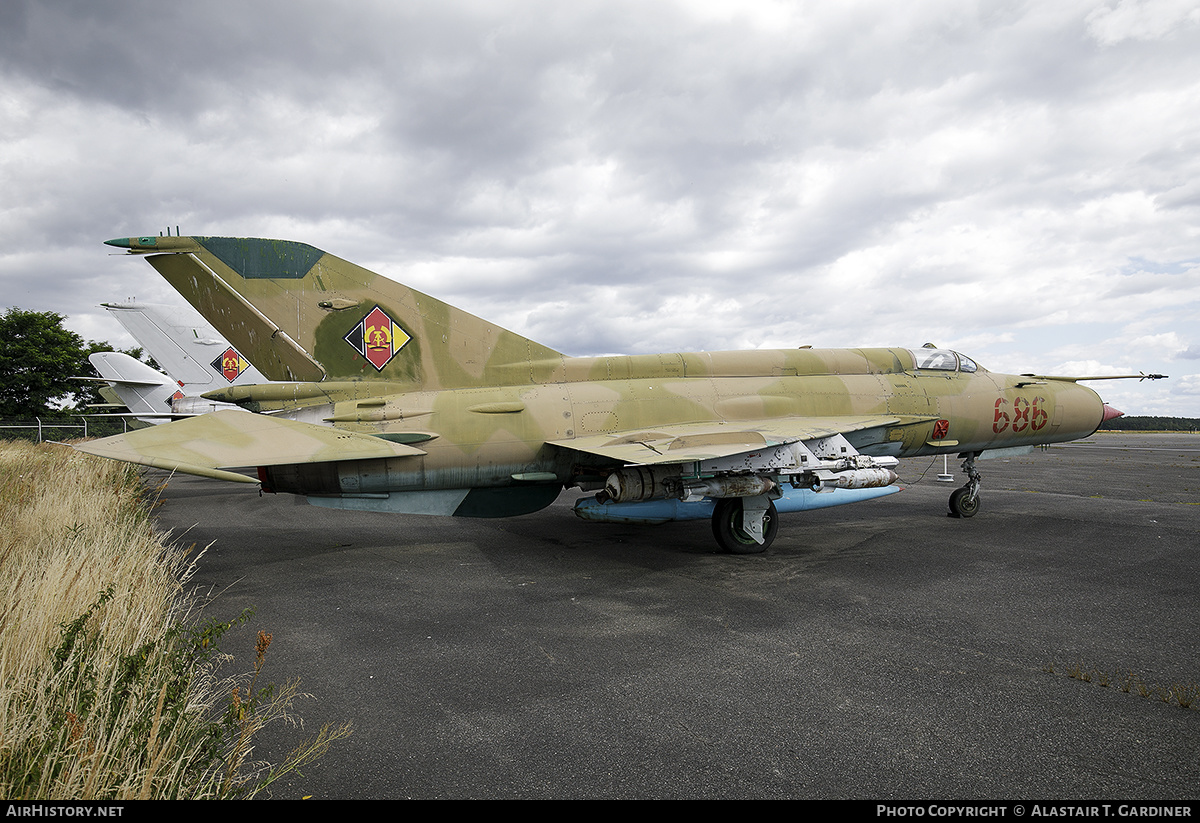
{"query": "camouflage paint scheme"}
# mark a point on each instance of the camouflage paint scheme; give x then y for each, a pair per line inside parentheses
(441, 412)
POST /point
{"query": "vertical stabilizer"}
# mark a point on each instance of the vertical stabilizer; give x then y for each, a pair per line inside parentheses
(301, 314)
(185, 346)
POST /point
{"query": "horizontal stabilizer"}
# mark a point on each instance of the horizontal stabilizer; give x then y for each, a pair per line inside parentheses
(209, 443)
(119, 368)
(117, 381)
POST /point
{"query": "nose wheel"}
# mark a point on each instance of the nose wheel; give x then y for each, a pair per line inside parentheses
(964, 502)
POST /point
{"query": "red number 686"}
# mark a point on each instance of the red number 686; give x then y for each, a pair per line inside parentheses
(1026, 414)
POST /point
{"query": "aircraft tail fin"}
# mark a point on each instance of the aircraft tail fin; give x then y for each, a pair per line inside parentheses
(302, 314)
(142, 389)
(185, 346)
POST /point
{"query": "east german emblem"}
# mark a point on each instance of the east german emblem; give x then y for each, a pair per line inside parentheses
(230, 364)
(378, 338)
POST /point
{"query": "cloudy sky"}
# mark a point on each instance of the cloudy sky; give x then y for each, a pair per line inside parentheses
(1017, 180)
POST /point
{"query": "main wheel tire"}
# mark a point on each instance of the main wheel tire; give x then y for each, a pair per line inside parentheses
(731, 537)
(961, 504)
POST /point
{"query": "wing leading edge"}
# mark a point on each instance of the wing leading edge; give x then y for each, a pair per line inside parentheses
(692, 442)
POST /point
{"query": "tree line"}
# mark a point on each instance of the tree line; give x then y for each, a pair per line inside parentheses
(39, 359)
(1145, 424)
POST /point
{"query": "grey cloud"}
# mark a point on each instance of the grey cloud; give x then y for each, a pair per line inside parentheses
(614, 176)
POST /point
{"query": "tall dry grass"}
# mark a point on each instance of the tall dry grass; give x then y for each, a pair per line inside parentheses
(108, 686)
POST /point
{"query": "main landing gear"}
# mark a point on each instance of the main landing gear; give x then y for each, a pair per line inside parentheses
(964, 502)
(745, 525)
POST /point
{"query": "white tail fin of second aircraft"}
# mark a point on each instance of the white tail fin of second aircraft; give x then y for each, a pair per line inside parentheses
(185, 346)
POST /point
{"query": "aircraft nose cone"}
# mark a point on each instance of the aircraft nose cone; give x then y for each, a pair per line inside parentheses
(1110, 413)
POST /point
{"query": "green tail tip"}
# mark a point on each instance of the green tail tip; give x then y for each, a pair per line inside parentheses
(133, 242)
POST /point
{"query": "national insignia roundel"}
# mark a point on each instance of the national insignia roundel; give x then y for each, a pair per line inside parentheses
(230, 364)
(378, 338)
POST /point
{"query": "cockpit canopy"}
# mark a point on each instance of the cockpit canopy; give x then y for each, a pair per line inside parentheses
(943, 360)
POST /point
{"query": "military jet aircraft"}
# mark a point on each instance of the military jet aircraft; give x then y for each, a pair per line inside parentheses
(394, 401)
(194, 357)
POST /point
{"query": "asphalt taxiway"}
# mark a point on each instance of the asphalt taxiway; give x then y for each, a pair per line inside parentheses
(878, 650)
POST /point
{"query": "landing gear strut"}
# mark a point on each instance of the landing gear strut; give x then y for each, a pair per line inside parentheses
(964, 502)
(738, 521)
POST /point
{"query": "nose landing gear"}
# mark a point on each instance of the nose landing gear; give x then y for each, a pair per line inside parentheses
(964, 502)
